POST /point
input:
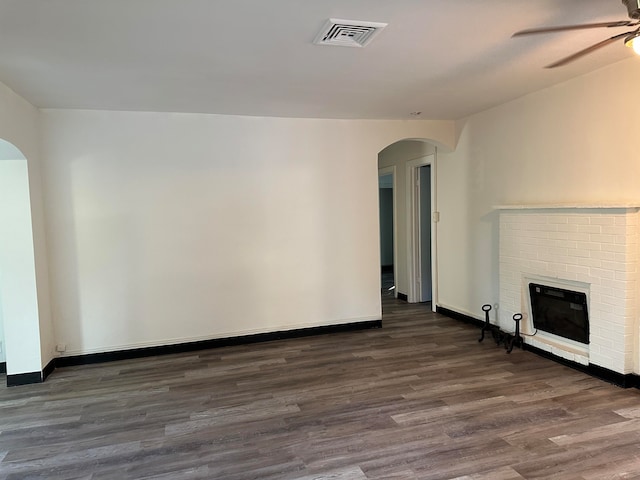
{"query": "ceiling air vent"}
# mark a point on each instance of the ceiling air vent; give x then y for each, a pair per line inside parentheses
(348, 33)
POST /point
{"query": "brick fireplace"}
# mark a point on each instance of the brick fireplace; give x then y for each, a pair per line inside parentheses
(590, 249)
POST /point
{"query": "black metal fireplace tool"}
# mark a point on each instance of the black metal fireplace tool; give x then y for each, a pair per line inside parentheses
(488, 327)
(514, 339)
(499, 336)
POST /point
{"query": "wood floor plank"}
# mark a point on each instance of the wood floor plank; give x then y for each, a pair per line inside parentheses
(419, 398)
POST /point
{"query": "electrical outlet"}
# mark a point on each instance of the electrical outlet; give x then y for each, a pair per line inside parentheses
(61, 347)
(0, 347)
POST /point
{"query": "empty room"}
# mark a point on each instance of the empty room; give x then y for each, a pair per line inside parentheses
(348, 239)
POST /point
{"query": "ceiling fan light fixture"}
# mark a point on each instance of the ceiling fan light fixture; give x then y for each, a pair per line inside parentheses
(633, 41)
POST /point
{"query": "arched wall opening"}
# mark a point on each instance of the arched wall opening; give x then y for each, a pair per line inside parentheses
(414, 246)
(19, 316)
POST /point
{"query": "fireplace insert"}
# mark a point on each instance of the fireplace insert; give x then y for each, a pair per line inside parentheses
(560, 312)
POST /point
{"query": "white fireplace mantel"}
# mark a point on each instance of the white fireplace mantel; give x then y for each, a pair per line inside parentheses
(569, 206)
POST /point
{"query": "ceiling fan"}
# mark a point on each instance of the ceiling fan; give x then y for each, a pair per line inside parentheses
(631, 38)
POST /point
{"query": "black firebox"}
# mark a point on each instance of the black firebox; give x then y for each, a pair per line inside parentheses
(560, 312)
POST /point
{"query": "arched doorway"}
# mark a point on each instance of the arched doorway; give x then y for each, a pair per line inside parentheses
(19, 316)
(413, 163)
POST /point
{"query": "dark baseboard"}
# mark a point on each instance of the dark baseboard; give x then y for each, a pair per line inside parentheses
(459, 316)
(24, 379)
(403, 296)
(628, 380)
(620, 379)
(39, 377)
(214, 343)
(48, 370)
(30, 377)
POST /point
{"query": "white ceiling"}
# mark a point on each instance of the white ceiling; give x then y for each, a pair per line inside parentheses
(444, 58)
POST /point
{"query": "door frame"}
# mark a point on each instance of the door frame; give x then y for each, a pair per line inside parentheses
(381, 173)
(413, 228)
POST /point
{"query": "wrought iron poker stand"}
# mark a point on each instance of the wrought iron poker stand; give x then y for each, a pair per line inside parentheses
(509, 340)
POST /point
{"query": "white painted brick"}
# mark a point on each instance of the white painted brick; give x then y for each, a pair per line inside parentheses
(579, 236)
(542, 345)
(604, 315)
(629, 292)
(612, 338)
(624, 240)
(602, 341)
(578, 269)
(593, 229)
(601, 238)
(602, 273)
(604, 255)
(582, 360)
(544, 242)
(622, 276)
(566, 244)
(578, 247)
(559, 235)
(614, 230)
(607, 300)
(528, 255)
(588, 246)
(593, 281)
(578, 252)
(617, 285)
(536, 233)
(558, 251)
(616, 360)
(602, 220)
(619, 315)
(615, 266)
(537, 218)
(535, 264)
(579, 220)
(590, 262)
(558, 267)
(568, 228)
(600, 359)
(610, 247)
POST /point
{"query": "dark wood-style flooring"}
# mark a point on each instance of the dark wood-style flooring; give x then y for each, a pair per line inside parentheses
(418, 399)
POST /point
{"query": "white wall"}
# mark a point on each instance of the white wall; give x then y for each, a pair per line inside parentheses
(18, 296)
(398, 155)
(572, 143)
(3, 357)
(19, 126)
(165, 228)
(8, 151)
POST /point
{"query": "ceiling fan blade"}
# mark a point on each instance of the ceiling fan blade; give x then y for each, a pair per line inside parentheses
(563, 28)
(588, 50)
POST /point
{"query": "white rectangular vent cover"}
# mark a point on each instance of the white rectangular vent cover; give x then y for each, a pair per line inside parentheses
(348, 33)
